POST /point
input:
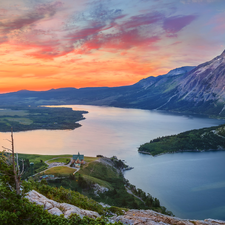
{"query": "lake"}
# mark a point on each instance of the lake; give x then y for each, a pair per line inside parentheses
(191, 184)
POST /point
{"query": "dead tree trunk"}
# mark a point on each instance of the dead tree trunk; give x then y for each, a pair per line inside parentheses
(16, 176)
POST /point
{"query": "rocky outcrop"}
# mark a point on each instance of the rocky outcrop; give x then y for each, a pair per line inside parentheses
(149, 217)
(99, 189)
(56, 208)
(131, 217)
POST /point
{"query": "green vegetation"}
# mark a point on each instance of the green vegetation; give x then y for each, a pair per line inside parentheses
(97, 181)
(106, 173)
(62, 170)
(204, 139)
(37, 158)
(11, 112)
(148, 200)
(15, 209)
(68, 196)
(60, 159)
(88, 159)
(40, 165)
(32, 118)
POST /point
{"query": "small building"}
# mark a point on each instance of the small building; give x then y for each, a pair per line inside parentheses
(78, 159)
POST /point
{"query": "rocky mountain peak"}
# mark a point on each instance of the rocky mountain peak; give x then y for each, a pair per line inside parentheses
(223, 54)
(180, 70)
(206, 82)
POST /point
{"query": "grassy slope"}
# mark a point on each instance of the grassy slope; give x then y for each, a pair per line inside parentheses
(62, 170)
(99, 173)
(90, 173)
(107, 176)
(60, 159)
(212, 138)
(36, 158)
(40, 165)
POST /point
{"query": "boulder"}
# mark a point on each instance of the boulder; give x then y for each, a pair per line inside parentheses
(55, 211)
(56, 208)
(149, 217)
(48, 205)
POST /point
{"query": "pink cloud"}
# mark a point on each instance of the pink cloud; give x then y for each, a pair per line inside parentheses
(141, 20)
(174, 24)
(39, 13)
(126, 35)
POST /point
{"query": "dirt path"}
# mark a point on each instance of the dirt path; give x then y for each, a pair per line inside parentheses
(62, 164)
(130, 192)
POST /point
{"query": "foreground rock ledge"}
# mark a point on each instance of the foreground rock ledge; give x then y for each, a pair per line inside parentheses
(56, 208)
(131, 217)
(149, 217)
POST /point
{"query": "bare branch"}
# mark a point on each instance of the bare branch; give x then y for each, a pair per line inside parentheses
(7, 149)
(17, 163)
(17, 179)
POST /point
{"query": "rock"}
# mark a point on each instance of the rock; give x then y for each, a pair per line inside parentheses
(48, 205)
(104, 205)
(99, 189)
(131, 217)
(55, 211)
(149, 217)
(72, 211)
(212, 221)
(90, 213)
(56, 208)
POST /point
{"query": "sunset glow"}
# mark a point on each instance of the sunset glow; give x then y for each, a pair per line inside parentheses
(47, 44)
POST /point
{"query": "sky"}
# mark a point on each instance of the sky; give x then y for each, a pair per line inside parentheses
(47, 44)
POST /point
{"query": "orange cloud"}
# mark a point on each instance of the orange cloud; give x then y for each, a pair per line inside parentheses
(100, 43)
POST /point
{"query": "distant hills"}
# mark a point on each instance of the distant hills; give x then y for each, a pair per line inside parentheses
(197, 90)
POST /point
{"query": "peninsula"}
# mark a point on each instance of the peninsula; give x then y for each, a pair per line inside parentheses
(205, 139)
(25, 118)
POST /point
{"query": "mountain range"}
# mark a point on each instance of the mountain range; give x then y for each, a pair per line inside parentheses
(198, 90)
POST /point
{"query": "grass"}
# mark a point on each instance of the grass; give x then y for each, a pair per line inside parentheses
(21, 120)
(98, 181)
(60, 159)
(40, 165)
(62, 170)
(89, 159)
(36, 158)
(9, 112)
(98, 170)
(33, 118)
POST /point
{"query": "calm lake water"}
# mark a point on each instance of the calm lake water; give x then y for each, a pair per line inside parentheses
(191, 185)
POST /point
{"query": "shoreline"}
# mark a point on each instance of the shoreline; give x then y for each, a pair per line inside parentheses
(199, 151)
